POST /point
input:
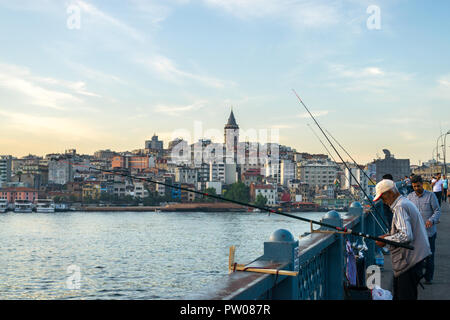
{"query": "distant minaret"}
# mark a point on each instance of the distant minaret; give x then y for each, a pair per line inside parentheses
(231, 135)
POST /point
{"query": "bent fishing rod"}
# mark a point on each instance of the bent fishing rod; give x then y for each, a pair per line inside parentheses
(345, 164)
(339, 229)
(331, 156)
(356, 164)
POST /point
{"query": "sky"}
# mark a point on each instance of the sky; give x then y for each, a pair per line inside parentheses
(108, 74)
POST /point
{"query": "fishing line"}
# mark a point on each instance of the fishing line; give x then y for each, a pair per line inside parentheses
(345, 164)
(365, 174)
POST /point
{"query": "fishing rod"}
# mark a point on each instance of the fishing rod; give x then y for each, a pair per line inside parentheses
(339, 229)
(329, 153)
(345, 164)
(348, 179)
(356, 164)
(349, 155)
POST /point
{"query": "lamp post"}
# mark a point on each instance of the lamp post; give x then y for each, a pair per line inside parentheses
(444, 151)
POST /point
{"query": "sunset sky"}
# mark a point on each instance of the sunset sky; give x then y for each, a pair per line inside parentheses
(108, 74)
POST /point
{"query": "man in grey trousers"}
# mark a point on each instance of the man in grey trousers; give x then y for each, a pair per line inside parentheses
(408, 228)
(429, 208)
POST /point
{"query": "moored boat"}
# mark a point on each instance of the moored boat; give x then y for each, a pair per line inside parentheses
(23, 206)
(3, 205)
(45, 206)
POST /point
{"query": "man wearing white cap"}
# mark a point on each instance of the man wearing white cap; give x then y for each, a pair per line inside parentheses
(407, 227)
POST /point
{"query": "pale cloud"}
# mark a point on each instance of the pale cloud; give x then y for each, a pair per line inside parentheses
(178, 110)
(369, 79)
(104, 17)
(50, 126)
(42, 91)
(299, 13)
(169, 71)
(316, 114)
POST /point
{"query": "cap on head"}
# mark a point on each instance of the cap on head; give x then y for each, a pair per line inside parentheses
(382, 187)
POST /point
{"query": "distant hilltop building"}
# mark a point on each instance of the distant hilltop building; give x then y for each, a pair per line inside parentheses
(154, 144)
(398, 168)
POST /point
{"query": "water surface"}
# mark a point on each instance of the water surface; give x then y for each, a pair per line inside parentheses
(128, 255)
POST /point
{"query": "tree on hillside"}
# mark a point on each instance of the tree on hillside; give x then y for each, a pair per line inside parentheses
(210, 191)
(260, 200)
(238, 192)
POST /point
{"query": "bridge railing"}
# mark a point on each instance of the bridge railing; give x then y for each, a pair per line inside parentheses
(317, 257)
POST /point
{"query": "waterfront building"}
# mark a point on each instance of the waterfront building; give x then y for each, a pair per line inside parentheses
(20, 193)
(398, 168)
(267, 190)
(91, 190)
(5, 169)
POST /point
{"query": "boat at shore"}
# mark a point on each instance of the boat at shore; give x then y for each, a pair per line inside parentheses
(45, 206)
(3, 205)
(23, 206)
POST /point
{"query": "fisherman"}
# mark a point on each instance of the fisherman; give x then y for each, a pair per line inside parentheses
(436, 184)
(429, 208)
(408, 228)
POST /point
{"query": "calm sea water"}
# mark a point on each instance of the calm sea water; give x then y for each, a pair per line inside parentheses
(127, 255)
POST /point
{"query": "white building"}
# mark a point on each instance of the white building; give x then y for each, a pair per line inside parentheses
(288, 171)
(349, 182)
(267, 190)
(217, 171)
(5, 169)
(186, 175)
(317, 173)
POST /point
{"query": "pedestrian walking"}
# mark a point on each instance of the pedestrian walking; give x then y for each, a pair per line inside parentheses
(430, 210)
(436, 183)
(444, 188)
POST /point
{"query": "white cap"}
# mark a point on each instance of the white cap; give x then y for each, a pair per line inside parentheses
(382, 187)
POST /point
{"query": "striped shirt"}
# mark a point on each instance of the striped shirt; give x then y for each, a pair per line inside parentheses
(400, 223)
(407, 227)
(429, 208)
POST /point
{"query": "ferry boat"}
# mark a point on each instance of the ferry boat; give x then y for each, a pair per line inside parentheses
(45, 206)
(3, 205)
(23, 206)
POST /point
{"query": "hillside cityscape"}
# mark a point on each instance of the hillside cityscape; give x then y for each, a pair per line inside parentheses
(281, 177)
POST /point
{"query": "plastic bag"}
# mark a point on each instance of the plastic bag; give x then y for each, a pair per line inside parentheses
(381, 294)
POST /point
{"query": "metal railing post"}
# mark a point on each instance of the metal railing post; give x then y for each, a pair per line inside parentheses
(282, 247)
(334, 285)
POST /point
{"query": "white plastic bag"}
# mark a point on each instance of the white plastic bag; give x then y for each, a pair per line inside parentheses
(381, 294)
